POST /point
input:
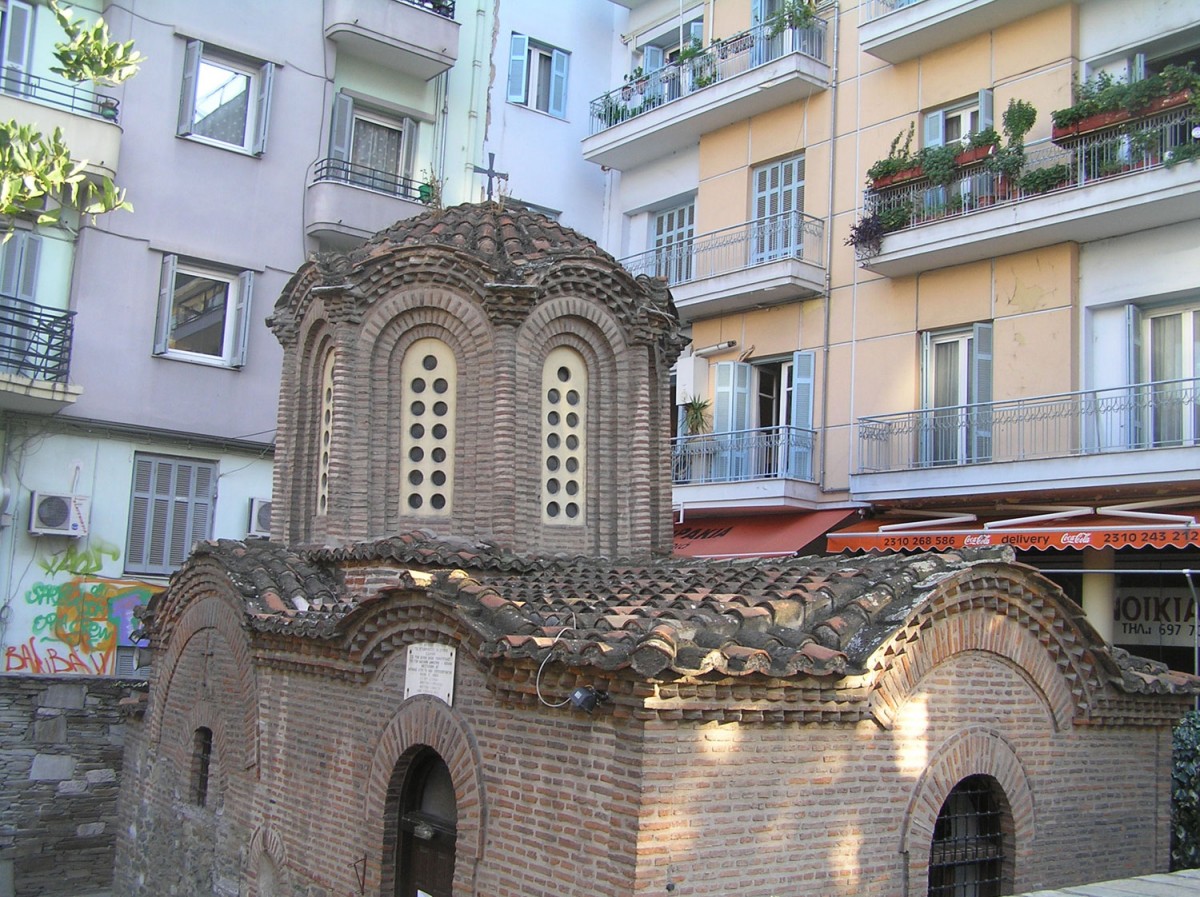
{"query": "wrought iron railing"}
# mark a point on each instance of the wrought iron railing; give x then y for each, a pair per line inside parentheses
(35, 342)
(61, 94)
(1161, 414)
(768, 452)
(443, 8)
(720, 62)
(873, 9)
(1130, 147)
(372, 179)
(789, 235)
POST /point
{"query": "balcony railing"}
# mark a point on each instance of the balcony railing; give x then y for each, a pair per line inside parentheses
(1161, 414)
(791, 235)
(1132, 146)
(769, 452)
(720, 62)
(444, 8)
(372, 179)
(873, 9)
(35, 342)
(61, 94)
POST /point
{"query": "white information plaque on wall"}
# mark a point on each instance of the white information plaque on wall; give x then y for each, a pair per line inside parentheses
(429, 670)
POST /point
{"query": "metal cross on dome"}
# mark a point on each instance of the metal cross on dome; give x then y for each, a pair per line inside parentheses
(491, 173)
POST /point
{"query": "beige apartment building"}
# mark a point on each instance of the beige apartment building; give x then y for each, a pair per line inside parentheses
(994, 343)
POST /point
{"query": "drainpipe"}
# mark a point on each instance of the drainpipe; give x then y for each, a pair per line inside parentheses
(833, 87)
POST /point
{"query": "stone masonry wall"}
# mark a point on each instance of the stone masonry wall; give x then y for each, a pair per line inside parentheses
(61, 744)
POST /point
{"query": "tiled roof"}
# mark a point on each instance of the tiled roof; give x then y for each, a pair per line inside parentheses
(782, 617)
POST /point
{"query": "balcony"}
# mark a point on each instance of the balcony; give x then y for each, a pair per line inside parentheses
(35, 355)
(88, 121)
(898, 30)
(347, 203)
(1133, 435)
(669, 109)
(763, 262)
(413, 37)
(1119, 180)
(768, 467)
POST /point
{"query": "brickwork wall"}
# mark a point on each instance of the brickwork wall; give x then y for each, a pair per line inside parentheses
(60, 764)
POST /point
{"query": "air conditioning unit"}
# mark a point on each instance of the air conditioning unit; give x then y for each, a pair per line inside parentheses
(58, 514)
(260, 518)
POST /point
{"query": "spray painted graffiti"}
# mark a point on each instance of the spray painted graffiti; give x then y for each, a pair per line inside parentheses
(78, 624)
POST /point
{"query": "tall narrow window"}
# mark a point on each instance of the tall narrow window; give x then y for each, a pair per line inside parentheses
(766, 410)
(428, 829)
(202, 747)
(325, 435)
(371, 149)
(956, 389)
(171, 508)
(966, 857)
(17, 44)
(564, 417)
(1171, 363)
(430, 377)
(673, 232)
(778, 210)
(24, 346)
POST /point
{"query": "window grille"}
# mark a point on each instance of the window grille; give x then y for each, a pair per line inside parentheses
(967, 854)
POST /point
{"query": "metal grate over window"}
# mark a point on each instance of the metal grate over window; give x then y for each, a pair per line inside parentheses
(966, 857)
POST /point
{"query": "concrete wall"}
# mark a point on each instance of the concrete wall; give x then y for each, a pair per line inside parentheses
(60, 768)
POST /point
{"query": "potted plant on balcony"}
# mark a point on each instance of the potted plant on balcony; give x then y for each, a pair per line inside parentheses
(897, 166)
(1009, 161)
(866, 234)
(1043, 180)
(794, 14)
(1106, 100)
(696, 419)
(635, 80)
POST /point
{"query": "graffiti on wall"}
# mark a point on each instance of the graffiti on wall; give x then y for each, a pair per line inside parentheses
(78, 623)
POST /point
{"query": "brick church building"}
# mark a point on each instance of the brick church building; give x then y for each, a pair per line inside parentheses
(468, 666)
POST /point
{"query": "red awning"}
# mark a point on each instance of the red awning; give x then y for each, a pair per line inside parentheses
(1091, 530)
(763, 535)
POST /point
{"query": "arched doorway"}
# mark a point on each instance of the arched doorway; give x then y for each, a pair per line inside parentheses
(428, 827)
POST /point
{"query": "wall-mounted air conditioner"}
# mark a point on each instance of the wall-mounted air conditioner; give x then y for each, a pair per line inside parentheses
(58, 514)
(260, 518)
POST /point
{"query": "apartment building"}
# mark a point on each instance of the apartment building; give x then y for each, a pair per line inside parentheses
(1005, 352)
(140, 381)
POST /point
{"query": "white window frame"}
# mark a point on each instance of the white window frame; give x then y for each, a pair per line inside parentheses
(16, 42)
(674, 229)
(737, 408)
(936, 120)
(347, 112)
(258, 101)
(524, 75)
(236, 330)
(1159, 427)
(172, 504)
(972, 425)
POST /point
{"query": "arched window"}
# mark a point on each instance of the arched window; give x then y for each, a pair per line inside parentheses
(429, 376)
(966, 858)
(325, 435)
(564, 415)
(202, 746)
(428, 829)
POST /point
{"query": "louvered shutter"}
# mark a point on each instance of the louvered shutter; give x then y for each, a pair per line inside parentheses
(31, 252)
(241, 323)
(935, 129)
(172, 508)
(652, 58)
(987, 109)
(980, 412)
(925, 430)
(801, 454)
(166, 304)
(187, 96)
(559, 62)
(731, 416)
(10, 264)
(341, 128)
(518, 68)
(1137, 67)
(1135, 375)
(266, 80)
(409, 135)
(696, 32)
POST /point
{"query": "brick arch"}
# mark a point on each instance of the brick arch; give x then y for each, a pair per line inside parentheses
(424, 721)
(973, 751)
(392, 326)
(208, 613)
(1017, 616)
(266, 842)
(297, 448)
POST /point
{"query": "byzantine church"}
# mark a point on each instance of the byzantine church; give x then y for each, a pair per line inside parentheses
(466, 663)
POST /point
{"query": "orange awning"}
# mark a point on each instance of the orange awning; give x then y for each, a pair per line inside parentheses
(763, 535)
(1092, 530)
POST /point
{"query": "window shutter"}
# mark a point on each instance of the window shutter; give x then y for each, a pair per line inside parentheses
(28, 272)
(1135, 375)
(241, 323)
(18, 46)
(166, 302)
(1137, 67)
(731, 406)
(800, 457)
(696, 32)
(757, 12)
(10, 264)
(171, 508)
(559, 62)
(139, 515)
(341, 128)
(980, 412)
(925, 447)
(935, 129)
(409, 134)
(518, 68)
(187, 96)
(266, 78)
(987, 109)
(652, 58)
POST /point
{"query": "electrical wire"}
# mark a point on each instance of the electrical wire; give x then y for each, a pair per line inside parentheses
(537, 682)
